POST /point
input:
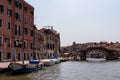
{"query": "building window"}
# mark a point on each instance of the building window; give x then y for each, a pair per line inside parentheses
(53, 47)
(0, 22)
(31, 32)
(9, 12)
(52, 38)
(31, 45)
(10, 1)
(17, 30)
(25, 9)
(48, 46)
(8, 42)
(1, 40)
(18, 43)
(0, 55)
(31, 12)
(31, 23)
(18, 4)
(17, 16)
(25, 31)
(1, 8)
(25, 44)
(25, 20)
(8, 55)
(9, 25)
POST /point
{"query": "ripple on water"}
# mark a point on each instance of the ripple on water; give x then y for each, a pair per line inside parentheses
(71, 70)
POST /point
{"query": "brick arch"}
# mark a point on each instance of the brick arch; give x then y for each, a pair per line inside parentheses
(103, 52)
(97, 48)
(109, 54)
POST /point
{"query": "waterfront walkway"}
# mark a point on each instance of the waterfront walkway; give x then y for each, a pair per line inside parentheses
(4, 65)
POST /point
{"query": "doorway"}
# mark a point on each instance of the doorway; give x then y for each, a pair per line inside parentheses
(0, 56)
(18, 56)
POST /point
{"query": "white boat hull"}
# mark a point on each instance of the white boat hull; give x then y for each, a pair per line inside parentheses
(56, 60)
(48, 62)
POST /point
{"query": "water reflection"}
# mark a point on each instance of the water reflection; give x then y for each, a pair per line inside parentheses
(85, 70)
(49, 73)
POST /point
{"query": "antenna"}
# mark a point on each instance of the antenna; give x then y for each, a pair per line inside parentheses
(52, 27)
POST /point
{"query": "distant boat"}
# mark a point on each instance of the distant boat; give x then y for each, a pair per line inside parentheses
(25, 68)
(96, 59)
(62, 59)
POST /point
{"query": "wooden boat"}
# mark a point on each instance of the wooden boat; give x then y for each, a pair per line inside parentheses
(48, 62)
(25, 68)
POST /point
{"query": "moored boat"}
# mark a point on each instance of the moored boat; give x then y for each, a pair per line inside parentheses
(62, 59)
(48, 62)
(25, 68)
(55, 59)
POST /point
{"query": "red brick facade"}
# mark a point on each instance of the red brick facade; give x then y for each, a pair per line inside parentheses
(19, 37)
(39, 48)
(16, 16)
(52, 42)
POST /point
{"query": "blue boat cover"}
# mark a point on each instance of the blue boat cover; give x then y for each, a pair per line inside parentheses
(34, 61)
(52, 57)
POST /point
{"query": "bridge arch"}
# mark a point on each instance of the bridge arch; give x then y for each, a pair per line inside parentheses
(96, 52)
(108, 54)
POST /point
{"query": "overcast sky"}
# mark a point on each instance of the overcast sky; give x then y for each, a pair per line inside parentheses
(80, 20)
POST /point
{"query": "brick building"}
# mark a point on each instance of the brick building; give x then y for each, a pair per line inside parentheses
(39, 44)
(16, 30)
(51, 42)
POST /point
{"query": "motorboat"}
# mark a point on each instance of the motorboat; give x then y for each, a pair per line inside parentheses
(55, 59)
(48, 62)
(33, 65)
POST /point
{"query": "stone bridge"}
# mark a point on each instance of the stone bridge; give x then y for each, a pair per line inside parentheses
(109, 54)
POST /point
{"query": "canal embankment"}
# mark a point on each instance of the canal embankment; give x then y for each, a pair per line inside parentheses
(4, 65)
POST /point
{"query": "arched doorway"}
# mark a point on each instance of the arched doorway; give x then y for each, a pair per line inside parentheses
(24, 56)
(0, 56)
(28, 56)
(18, 56)
(34, 55)
(38, 55)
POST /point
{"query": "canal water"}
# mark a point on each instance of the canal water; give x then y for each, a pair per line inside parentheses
(92, 69)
